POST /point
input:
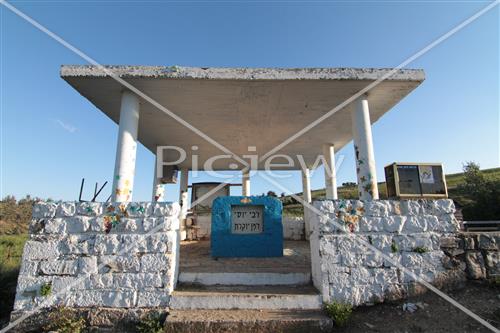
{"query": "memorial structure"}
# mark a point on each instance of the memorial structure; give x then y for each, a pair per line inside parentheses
(128, 257)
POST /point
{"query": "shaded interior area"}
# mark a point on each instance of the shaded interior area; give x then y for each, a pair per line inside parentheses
(195, 258)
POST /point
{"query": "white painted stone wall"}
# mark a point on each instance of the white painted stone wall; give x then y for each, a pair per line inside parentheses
(133, 265)
(346, 234)
(293, 227)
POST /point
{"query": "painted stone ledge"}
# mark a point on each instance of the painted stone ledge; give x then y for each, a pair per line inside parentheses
(346, 234)
(99, 255)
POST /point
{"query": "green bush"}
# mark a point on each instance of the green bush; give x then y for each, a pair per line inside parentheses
(46, 289)
(394, 247)
(63, 320)
(479, 195)
(339, 312)
(421, 249)
(152, 323)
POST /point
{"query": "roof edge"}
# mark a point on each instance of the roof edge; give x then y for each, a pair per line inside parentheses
(222, 73)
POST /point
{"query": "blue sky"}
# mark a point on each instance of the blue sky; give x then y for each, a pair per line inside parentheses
(51, 137)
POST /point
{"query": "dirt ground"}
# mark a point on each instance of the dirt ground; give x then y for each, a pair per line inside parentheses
(437, 315)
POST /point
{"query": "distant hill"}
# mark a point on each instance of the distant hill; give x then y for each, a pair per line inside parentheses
(291, 207)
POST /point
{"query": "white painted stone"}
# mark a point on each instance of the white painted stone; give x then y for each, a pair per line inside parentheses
(44, 209)
(77, 224)
(66, 284)
(153, 298)
(393, 223)
(128, 225)
(157, 262)
(377, 208)
(160, 242)
(246, 301)
(40, 250)
(138, 281)
(373, 259)
(100, 281)
(55, 226)
(361, 275)
(139, 209)
(118, 263)
(385, 276)
(58, 267)
(107, 244)
(28, 268)
(371, 224)
(414, 224)
(444, 206)
(158, 224)
(115, 299)
(87, 265)
(382, 242)
(246, 279)
(410, 207)
(77, 244)
(65, 209)
(89, 208)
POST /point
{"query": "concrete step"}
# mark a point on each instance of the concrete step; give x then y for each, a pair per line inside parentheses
(191, 297)
(247, 321)
(247, 279)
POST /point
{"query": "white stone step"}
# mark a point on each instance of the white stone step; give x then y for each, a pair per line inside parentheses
(261, 321)
(246, 297)
(247, 279)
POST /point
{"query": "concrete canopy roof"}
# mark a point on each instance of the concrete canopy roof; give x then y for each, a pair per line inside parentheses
(242, 107)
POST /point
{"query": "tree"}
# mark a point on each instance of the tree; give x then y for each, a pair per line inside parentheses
(482, 195)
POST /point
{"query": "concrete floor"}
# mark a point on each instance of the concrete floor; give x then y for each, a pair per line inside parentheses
(195, 258)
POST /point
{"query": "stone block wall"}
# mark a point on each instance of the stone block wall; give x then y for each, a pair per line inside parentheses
(99, 255)
(476, 252)
(293, 227)
(368, 252)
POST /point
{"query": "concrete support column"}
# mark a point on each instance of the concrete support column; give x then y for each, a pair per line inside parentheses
(330, 172)
(245, 183)
(363, 150)
(158, 187)
(183, 200)
(306, 196)
(123, 180)
(183, 192)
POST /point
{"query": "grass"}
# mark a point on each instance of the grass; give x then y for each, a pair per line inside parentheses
(340, 313)
(11, 250)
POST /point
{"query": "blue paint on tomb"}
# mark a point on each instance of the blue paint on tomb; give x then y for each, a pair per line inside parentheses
(267, 243)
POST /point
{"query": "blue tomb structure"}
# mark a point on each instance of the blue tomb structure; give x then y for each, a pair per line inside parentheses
(246, 227)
